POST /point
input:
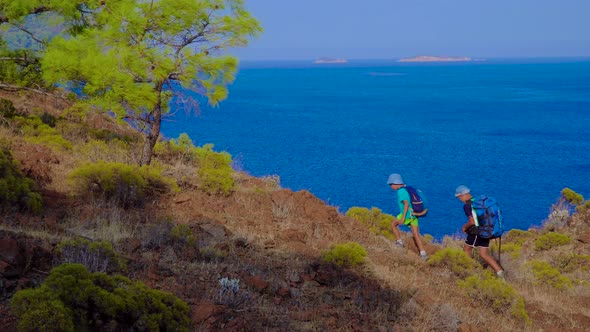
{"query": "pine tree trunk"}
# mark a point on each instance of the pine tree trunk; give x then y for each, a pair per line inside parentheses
(154, 121)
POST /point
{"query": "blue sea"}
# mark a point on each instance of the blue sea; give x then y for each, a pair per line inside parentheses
(515, 129)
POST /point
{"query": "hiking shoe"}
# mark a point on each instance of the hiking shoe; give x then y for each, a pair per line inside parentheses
(399, 244)
(501, 274)
(424, 257)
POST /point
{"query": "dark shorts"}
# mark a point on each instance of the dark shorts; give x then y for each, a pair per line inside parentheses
(476, 241)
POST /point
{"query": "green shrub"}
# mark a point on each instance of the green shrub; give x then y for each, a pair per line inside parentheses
(571, 196)
(545, 274)
(180, 149)
(454, 259)
(16, 190)
(125, 184)
(511, 248)
(71, 297)
(182, 234)
(571, 262)
(582, 208)
(95, 256)
(346, 255)
(40, 133)
(378, 222)
(212, 254)
(215, 172)
(551, 240)
(495, 293)
(7, 109)
(518, 236)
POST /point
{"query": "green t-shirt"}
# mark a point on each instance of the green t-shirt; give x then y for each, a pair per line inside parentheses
(403, 195)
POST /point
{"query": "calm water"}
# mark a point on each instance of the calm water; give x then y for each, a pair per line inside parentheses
(516, 130)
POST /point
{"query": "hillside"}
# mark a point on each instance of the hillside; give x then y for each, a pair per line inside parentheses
(184, 238)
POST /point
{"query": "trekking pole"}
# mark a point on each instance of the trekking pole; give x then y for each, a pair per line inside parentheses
(500, 251)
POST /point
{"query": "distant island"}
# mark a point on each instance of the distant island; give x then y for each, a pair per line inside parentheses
(430, 58)
(330, 60)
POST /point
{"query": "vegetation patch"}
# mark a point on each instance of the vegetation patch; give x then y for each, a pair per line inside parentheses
(125, 184)
(183, 235)
(73, 299)
(495, 293)
(519, 236)
(40, 130)
(571, 196)
(215, 171)
(546, 274)
(16, 190)
(377, 222)
(346, 254)
(95, 256)
(455, 260)
(551, 240)
(571, 262)
(7, 109)
(513, 249)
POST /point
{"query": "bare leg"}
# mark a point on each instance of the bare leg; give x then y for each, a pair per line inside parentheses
(395, 229)
(468, 250)
(417, 238)
(484, 253)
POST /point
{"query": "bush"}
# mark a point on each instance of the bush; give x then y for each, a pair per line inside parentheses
(16, 189)
(40, 133)
(180, 149)
(495, 293)
(513, 249)
(182, 234)
(71, 297)
(7, 109)
(571, 196)
(211, 254)
(230, 294)
(518, 236)
(215, 172)
(378, 222)
(95, 256)
(346, 255)
(551, 240)
(545, 274)
(126, 184)
(454, 259)
(582, 208)
(572, 262)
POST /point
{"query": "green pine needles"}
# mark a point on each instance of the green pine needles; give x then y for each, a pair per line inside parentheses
(73, 299)
(16, 190)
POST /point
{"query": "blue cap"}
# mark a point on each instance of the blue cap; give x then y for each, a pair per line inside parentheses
(395, 179)
(462, 190)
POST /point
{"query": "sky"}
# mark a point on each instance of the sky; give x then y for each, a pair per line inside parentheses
(386, 29)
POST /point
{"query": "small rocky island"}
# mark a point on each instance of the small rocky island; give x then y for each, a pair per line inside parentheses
(330, 60)
(430, 58)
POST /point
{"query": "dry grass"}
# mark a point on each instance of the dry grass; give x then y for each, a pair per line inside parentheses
(103, 221)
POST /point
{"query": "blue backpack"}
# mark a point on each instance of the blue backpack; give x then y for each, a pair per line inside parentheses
(489, 217)
(417, 201)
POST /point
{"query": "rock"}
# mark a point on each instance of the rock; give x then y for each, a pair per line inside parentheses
(204, 311)
(291, 235)
(182, 198)
(9, 251)
(283, 291)
(168, 255)
(464, 327)
(584, 238)
(294, 277)
(257, 283)
(294, 292)
(216, 231)
(423, 298)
